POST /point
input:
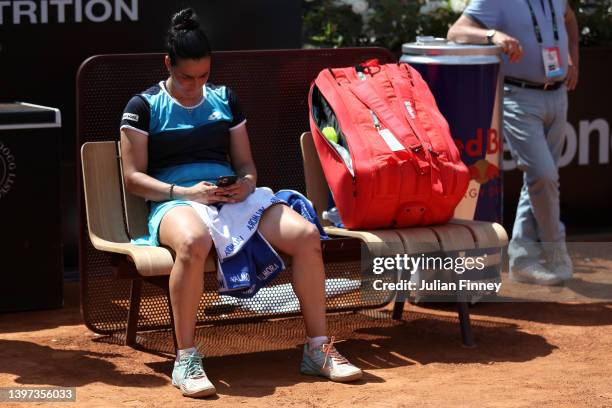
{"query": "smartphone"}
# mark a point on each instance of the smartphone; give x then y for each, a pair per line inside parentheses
(224, 181)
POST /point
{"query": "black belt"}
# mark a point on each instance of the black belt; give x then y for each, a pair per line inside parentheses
(551, 86)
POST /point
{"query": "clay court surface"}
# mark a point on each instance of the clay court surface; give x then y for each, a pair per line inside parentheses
(528, 354)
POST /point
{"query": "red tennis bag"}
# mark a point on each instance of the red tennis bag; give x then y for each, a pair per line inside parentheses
(386, 150)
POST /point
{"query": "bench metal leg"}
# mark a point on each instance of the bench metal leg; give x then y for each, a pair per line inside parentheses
(132, 321)
(163, 282)
(172, 327)
(466, 326)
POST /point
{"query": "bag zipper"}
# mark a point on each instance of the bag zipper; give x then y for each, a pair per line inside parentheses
(350, 168)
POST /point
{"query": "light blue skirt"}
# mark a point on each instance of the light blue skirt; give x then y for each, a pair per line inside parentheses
(184, 175)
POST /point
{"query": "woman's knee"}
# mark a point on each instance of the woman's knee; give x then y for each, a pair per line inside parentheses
(193, 247)
(308, 239)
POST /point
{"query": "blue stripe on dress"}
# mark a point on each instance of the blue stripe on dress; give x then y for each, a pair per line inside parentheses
(184, 175)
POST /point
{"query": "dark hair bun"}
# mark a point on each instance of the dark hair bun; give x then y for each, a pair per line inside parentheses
(185, 20)
(186, 40)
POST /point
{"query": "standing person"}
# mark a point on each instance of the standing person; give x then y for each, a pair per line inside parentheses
(177, 138)
(540, 41)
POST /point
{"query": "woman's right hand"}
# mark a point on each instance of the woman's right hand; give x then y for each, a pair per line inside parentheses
(204, 193)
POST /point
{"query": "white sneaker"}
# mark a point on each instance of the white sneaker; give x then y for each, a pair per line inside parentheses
(559, 262)
(189, 376)
(326, 361)
(535, 274)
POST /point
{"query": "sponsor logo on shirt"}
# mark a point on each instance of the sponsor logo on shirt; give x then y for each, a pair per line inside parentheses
(130, 116)
(215, 115)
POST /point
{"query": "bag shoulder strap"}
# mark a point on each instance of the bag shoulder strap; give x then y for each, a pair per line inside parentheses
(405, 91)
(369, 95)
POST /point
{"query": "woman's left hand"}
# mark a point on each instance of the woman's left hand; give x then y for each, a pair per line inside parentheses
(238, 191)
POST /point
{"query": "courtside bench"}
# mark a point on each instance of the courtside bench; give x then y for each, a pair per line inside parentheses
(124, 288)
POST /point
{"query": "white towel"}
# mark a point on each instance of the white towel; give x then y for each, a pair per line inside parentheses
(232, 228)
(233, 225)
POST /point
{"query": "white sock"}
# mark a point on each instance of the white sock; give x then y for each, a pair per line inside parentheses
(315, 342)
(187, 351)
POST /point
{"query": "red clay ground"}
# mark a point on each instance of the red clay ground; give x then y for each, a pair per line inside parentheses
(540, 354)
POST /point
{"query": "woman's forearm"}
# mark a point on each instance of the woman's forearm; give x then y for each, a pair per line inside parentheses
(145, 186)
(248, 172)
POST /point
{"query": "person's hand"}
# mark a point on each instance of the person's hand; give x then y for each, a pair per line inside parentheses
(510, 45)
(238, 191)
(205, 193)
(572, 77)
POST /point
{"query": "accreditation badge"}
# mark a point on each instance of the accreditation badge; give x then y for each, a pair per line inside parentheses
(552, 63)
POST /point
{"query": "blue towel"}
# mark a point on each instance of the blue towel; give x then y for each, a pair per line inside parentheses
(302, 206)
(256, 263)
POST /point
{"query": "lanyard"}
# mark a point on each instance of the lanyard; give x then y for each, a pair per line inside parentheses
(536, 26)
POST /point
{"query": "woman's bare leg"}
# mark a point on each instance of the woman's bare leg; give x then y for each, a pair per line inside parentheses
(184, 231)
(290, 233)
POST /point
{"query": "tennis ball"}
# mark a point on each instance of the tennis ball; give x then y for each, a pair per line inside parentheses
(330, 134)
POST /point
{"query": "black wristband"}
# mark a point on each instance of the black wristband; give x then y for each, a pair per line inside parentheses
(172, 191)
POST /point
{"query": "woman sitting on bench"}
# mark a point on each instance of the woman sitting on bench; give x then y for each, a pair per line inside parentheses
(176, 138)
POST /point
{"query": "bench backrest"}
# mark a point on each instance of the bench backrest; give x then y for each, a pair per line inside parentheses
(272, 87)
(101, 179)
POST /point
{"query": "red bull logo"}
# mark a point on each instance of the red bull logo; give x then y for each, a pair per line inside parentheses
(475, 126)
(477, 147)
(483, 171)
(481, 147)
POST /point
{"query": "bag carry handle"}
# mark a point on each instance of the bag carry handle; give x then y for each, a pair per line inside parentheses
(406, 93)
(368, 95)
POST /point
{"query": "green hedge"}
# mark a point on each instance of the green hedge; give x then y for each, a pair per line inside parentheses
(595, 21)
(390, 23)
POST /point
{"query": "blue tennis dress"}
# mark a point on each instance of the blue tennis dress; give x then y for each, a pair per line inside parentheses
(186, 144)
(190, 144)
